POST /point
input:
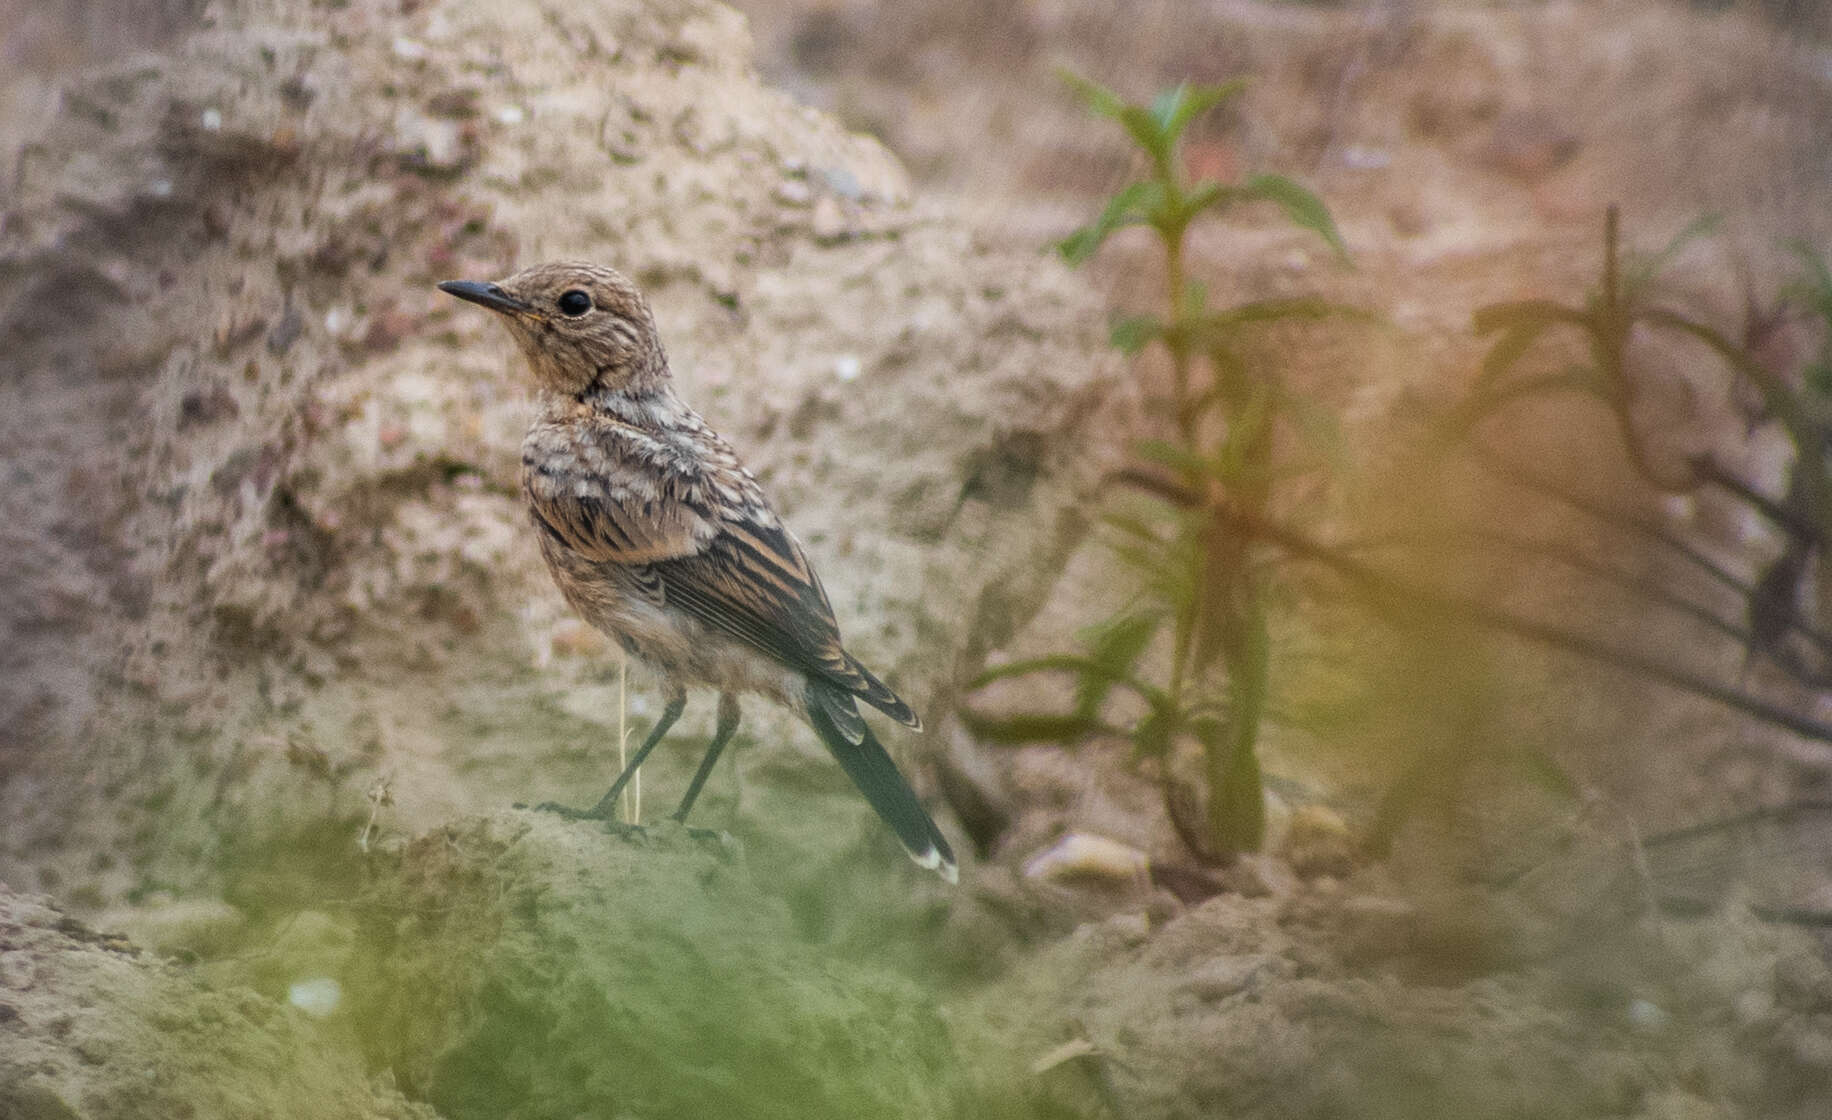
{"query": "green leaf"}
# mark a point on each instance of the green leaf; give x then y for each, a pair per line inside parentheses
(1304, 209)
(1147, 558)
(1247, 430)
(1130, 334)
(1815, 289)
(1131, 206)
(1146, 133)
(1207, 331)
(1152, 736)
(1118, 642)
(1164, 106)
(1029, 727)
(1237, 811)
(1173, 455)
(1315, 425)
(1208, 194)
(1100, 100)
(1134, 526)
(1237, 806)
(1114, 646)
(1500, 316)
(1480, 406)
(1191, 102)
(1818, 280)
(1195, 297)
(1513, 344)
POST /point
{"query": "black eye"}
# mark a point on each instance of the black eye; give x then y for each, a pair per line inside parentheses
(575, 303)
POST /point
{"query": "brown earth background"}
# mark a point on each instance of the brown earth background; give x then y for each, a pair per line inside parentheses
(277, 656)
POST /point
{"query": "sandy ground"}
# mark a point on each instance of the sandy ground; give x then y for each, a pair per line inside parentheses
(277, 653)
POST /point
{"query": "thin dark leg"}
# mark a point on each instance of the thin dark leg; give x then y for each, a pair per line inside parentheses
(606, 808)
(728, 724)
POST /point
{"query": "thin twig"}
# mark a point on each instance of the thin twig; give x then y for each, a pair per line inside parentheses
(632, 793)
(1383, 585)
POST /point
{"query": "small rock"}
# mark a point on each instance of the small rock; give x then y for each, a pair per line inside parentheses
(1069, 1051)
(1080, 855)
(1222, 978)
(1813, 1049)
(1255, 876)
(1379, 927)
(1278, 821)
(1647, 1017)
(1360, 157)
(843, 182)
(431, 143)
(829, 221)
(205, 927)
(794, 192)
(318, 997)
(1132, 929)
(1317, 843)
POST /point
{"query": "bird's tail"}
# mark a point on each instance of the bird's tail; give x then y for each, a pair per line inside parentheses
(872, 770)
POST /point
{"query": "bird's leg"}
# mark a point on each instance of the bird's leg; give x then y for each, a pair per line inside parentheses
(606, 808)
(728, 724)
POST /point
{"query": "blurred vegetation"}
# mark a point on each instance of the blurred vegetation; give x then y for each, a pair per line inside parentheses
(1240, 432)
(1626, 300)
(1198, 517)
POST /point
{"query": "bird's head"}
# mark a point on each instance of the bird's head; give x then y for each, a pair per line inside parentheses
(582, 326)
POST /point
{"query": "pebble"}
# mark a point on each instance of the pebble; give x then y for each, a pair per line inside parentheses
(1647, 1017)
(318, 996)
(829, 220)
(1081, 855)
(794, 192)
(1317, 842)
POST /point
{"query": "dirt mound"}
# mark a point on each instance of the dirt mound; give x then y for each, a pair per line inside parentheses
(264, 505)
(522, 966)
(92, 1028)
(1330, 1001)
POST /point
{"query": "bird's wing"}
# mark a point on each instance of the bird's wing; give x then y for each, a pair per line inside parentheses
(697, 527)
(753, 581)
(609, 493)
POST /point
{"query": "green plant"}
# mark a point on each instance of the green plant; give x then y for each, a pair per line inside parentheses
(1624, 302)
(1232, 416)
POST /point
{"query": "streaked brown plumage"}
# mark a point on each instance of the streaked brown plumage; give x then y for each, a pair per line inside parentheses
(659, 537)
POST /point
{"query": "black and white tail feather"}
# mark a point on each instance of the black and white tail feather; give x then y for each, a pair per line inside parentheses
(835, 717)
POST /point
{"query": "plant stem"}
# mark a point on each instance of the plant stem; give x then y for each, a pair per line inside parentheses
(632, 794)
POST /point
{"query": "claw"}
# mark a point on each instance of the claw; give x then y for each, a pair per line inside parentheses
(566, 811)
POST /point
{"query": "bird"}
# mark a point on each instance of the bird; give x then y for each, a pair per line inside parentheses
(660, 538)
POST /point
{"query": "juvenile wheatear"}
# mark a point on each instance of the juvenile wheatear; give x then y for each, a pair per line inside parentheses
(659, 537)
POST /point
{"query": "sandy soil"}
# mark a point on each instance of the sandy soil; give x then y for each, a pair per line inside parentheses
(277, 653)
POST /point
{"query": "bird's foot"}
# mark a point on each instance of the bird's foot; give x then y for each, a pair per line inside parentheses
(566, 811)
(717, 839)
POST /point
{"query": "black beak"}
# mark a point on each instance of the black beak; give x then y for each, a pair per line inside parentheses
(488, 295)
